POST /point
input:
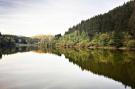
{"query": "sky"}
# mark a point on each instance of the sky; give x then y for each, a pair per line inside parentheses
(31, 17)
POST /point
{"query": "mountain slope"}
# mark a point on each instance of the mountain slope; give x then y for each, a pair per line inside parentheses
(115, 20)
(115, 28)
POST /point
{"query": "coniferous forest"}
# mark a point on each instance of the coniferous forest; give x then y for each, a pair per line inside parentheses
(113, 29)
(97, 53)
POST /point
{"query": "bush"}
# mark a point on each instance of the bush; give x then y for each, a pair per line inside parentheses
(104, 39)
(131, 44)
(116, 39)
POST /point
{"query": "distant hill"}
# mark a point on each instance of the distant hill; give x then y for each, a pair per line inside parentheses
(7, 40)
(42, 36)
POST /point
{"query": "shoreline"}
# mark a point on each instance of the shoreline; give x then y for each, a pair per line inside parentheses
(94, 47)
(113, 48)
(25, 45)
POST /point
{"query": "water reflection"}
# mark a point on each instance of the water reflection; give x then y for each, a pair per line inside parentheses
(116, 65)
(13, 50)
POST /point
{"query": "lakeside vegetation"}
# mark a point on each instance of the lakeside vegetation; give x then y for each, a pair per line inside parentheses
(13, 40)
(44, 40)
(113, 29)
(96, 53)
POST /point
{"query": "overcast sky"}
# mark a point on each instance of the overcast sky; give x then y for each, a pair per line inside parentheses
(31, 17)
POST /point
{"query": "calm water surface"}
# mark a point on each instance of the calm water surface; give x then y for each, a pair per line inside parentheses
(40, 70)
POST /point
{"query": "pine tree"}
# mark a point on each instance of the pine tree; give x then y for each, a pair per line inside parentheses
(132, 23)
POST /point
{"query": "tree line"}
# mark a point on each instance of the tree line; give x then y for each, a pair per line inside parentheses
(12, 40)
(115, 28)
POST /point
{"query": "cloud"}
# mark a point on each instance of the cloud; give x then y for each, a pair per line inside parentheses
(30, 17)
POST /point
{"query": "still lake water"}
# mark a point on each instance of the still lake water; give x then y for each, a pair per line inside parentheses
(66, 69)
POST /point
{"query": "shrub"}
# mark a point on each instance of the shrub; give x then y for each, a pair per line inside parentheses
(104, 39)
(116, 39)
(131, 44)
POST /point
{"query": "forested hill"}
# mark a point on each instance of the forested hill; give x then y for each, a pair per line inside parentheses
(118, 19)
(113, 28)
(12, 40)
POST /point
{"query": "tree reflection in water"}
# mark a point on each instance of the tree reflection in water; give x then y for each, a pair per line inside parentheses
(117, 65)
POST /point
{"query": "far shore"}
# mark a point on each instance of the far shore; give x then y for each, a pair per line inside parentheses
(26, 45)
(80, 47)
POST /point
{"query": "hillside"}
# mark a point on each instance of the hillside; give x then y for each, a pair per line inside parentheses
(115, 28)
(115, 20)
(12, 40)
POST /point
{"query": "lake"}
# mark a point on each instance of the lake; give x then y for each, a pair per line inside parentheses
(46, 68)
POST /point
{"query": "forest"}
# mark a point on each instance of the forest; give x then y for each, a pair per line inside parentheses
(12, 40)
(113, 29)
